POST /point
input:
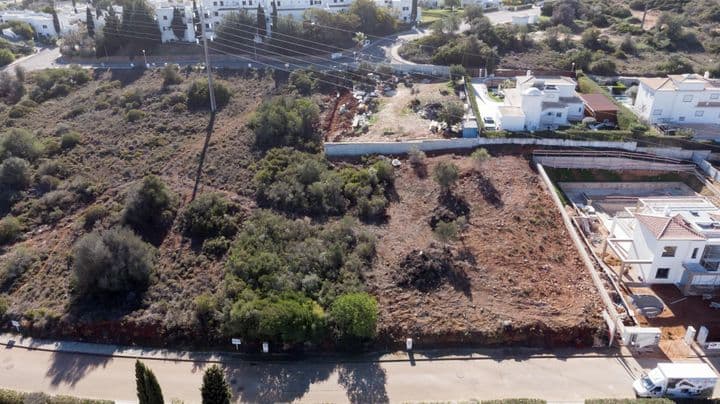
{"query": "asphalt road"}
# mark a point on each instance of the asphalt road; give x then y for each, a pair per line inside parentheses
(42, 59)
(393, 378)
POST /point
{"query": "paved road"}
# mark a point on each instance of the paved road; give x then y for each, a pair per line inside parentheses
(393, 378)
(42, 59)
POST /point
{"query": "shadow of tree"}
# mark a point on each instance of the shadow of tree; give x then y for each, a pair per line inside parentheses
(69, 368)
(364, 382)
(275, 382)
(489, 192)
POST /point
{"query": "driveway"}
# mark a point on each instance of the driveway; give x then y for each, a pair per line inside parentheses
(486, 105)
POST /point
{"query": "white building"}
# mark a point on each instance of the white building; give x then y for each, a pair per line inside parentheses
(42, 23)
(671, 240)
(679, 98)
(539, 103)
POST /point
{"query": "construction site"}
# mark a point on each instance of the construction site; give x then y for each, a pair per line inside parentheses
(649, 225)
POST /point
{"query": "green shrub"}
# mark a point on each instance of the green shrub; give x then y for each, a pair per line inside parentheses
(134, 115)
(171, 75)
(638, 128)
(47, 183)
(446, 175)
(215, 389)
(149, 207)
(18, 111)
(75, 112)
(205, 306)
(52, 83)
(111, 261)
(132, 99)
(52, 167)
(208, 216)
(15, 174)
(94, 214)
(215, 246)
(354, 315)
(10, 229)
(285, 121)
(4, 305)
(174, 99)
(292, 319)
(198, 95)
(20, 143)
(17, 263)
(6, 57)
(69, 140)
(298, 182)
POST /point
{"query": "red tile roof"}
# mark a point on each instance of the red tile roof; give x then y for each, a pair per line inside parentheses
(598, 102)
(669, 228)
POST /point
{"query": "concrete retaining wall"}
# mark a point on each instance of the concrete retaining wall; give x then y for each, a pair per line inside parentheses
(609, 163)
(352, 149)
(675, 152)
(707, 168)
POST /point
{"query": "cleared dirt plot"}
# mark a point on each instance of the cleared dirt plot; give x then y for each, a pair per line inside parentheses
(512, 276)
(396, 118)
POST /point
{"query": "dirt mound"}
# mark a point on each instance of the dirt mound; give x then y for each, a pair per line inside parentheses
(450, 208)
(426, 270)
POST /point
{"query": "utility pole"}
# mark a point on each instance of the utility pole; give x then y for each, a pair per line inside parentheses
(211, 88)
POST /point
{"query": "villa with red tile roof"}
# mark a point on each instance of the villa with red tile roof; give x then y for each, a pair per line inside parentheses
(678, 99)
(672, 240)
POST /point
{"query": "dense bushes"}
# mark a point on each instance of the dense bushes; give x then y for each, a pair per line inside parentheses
(298, 182)
(52, 83)
(16, 264)
(281, 271)
(10, 228)
(15, 397)
(112, 261)
(285, 121)
(149, 207)
(20, 143)
(198, 95)
(354, 315)
(210, 215)
(14, 174)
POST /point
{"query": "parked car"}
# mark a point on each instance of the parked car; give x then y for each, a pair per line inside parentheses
(677, 380)
(602, 125)
(489, 123)
(666, 129)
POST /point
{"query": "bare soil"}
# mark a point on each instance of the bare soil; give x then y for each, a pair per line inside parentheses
(514, 275)
(394, 119)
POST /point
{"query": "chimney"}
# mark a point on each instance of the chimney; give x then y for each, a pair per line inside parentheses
(666, 211)
(706, 75)
(528, 73)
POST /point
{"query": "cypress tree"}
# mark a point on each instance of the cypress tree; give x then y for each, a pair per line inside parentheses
(90, 22)
(112, 41)
(413, 11)
(56, 22)
(148, 388)
(274, 15)
(215, 390)
(261, 23)
(177, 24)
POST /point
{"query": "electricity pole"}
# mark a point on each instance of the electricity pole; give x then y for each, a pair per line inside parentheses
(211, 88)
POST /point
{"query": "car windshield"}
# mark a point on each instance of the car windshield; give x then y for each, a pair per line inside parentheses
(647, 383)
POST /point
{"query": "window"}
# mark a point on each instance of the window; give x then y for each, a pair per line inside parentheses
(222, 3)
(714, 96)
(214, 3)
(217, 14)
(278, 4)
(662, 273)
(558, 114)
(681, 119)
(657, 111)
(165, 17)
(687, 98)
(549, 113)
(45, 26)
(207, 25)
(243, 2)
(694, 253)
(669, 251)
(250, 3)
(699, 113)
(580, 109)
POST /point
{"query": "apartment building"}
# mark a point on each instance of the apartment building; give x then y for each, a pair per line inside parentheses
(678, 99)
(42, 23)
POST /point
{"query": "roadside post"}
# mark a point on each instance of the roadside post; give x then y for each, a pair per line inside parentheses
(16, 324)
(266, 347)
(409, 344)
(236, 342)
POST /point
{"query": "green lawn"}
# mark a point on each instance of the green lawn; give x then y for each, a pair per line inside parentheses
(429, 16)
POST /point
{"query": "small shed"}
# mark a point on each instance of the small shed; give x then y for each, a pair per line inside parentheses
(470, 128)
(600, 107)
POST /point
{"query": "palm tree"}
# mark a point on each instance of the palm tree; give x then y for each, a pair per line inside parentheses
(360, 39)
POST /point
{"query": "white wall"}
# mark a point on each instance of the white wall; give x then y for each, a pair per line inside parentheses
(679, 106)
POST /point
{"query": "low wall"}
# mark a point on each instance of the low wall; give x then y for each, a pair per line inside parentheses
(707, 168)
(350, 149)
(675, 152)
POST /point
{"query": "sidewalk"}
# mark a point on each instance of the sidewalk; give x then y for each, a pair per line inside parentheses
(11, 340)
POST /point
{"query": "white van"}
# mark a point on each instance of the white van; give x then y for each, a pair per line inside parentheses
(677, 380)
